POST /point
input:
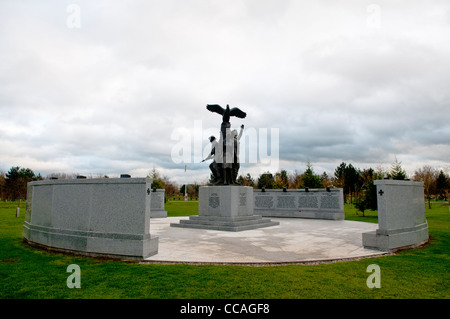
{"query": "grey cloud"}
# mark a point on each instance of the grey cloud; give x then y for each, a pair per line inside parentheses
(107, 97)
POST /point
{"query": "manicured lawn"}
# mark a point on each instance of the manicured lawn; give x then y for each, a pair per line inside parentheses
(181, 208)
(351, 213)
(27, 272)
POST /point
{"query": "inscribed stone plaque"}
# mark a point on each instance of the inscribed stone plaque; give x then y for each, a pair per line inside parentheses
(242, 199)
(156, 202)
(308, 201)
(330, 201)
(263, 201)
(214, 200)
(286, 201)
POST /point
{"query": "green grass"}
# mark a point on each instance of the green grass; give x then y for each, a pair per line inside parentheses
(181, 208)
(351, 213)
(26, 272)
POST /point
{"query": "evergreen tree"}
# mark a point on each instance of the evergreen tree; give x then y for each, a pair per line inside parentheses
(156, 179)
(351, 180)
(310, 179)
(16, 181)
(339, 176)
(347, 177)
(442, 185)
(397, 172)
(368, 198)
(265, 180)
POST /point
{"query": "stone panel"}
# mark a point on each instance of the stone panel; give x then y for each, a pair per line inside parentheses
(101, 216)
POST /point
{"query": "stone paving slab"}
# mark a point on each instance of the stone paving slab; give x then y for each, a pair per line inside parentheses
(294, 240)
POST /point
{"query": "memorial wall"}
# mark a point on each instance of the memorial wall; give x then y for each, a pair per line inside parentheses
(157, 204)
(302, 203)
(107, 216)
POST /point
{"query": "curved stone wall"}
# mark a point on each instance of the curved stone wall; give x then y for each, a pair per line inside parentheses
(321, 203)
(107, 216)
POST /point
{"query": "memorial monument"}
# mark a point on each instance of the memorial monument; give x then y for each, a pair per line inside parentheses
(99, 217)
(401, 216)
(225, 152)
(225, 205)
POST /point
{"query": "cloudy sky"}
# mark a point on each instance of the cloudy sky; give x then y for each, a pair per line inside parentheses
(112, 87)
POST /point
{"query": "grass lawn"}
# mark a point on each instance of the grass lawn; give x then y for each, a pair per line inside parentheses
(27, 272)
(181, 208)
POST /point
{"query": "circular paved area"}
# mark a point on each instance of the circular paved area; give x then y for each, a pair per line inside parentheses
(293, 241)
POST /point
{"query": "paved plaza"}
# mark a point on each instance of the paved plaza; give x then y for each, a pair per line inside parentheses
(294, 240)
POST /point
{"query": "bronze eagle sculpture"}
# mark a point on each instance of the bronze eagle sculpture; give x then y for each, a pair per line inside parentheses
(226, 112)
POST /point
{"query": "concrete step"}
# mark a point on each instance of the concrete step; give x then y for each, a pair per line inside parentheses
(234, 228)
(220, 218)
(226, 223)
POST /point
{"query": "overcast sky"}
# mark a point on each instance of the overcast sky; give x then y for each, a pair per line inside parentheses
(112, 87)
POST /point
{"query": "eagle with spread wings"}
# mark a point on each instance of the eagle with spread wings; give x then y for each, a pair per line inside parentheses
(227, 112)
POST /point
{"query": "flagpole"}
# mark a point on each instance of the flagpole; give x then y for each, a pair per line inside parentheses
(185, 184)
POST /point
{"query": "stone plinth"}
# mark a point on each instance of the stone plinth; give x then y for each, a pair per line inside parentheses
(91, 216)
(401, 216)
(300, 203)
(228, 208)
(157, 209)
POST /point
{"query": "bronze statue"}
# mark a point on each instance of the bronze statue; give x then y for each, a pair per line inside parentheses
(216, 168)
(225, 166)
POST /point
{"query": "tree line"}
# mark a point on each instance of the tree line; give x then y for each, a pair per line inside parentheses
(357, 184)
(13, 184)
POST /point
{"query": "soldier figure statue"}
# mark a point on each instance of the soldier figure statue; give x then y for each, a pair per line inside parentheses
(225, 166)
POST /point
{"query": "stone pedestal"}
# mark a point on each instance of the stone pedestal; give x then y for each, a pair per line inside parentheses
(401, 216)
(228, 208)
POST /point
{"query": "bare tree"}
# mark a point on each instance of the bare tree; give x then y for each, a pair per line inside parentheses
(2, 185)
(162, 181)
(428, 176)
(295, 180)
(325, 180)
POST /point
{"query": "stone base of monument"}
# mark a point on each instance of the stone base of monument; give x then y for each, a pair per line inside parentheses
(408, 238)
(227, 208)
